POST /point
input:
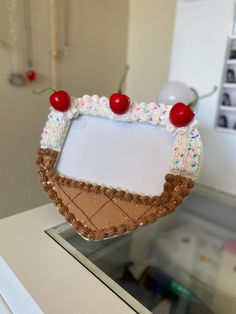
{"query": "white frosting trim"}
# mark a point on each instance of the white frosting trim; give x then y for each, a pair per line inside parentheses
(187, 149)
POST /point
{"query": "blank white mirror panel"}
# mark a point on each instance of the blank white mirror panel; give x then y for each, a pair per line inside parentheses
(130, 156)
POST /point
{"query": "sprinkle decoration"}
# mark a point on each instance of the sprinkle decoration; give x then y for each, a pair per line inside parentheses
(187, 153)
(187, 149)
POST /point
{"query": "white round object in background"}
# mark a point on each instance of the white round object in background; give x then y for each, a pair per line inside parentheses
(174, 92)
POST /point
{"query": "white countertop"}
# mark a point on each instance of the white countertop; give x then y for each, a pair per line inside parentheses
(56, 281)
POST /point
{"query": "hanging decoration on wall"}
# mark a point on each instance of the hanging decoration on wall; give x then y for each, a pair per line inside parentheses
(55, 52)
(66, 44)
(30, 73)
(3, 27)
(15, 17)
(21, 40)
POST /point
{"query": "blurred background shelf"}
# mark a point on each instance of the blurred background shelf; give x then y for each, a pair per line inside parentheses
(228, 108)
(229, 85)
(231, 61)
(229, 131)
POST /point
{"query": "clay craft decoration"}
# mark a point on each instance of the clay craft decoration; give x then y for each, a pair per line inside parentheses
(97, 210)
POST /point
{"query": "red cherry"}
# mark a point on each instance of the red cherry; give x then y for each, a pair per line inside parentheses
(181, 115)
(60, 100)
(119, 103)
(31, 75)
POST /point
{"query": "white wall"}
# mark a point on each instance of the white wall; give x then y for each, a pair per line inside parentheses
(98, 40)
(200, 37)
(149, 47)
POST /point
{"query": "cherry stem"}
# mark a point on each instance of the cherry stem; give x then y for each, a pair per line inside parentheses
(210, 93)
(43, 90)
(197, 96)
(123, 79)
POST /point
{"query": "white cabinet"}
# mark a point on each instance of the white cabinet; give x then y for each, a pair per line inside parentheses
(198, 58)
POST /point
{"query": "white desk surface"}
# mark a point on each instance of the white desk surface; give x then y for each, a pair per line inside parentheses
(56, 281)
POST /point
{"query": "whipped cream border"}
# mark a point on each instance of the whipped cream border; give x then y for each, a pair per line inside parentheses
(187, 149)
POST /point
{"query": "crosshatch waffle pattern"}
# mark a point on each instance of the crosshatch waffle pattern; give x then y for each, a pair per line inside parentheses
(98, 212)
